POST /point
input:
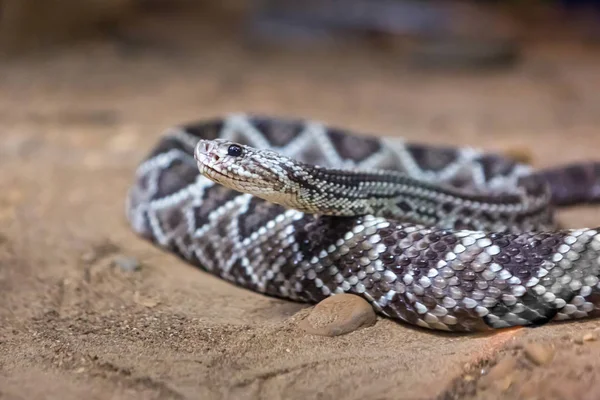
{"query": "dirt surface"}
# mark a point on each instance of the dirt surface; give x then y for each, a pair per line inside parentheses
(88, 309)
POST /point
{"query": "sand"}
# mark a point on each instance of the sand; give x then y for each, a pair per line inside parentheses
(75, 323)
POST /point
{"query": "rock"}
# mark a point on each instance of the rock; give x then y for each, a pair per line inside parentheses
(539, 354)
(587, 337)
(338, 315)
(127, 264)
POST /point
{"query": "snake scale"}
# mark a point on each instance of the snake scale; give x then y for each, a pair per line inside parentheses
(444, 238)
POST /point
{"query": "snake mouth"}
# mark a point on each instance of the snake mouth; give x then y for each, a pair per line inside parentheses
(204, 159)
(214, 174)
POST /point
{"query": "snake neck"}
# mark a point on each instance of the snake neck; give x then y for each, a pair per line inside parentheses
(395, 195)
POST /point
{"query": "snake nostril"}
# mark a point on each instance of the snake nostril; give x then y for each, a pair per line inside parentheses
(216, 158)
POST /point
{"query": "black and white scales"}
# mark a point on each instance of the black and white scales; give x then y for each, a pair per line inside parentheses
(492, 258)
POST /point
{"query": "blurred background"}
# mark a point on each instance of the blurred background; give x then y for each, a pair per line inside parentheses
(499, 26)
(452, 70)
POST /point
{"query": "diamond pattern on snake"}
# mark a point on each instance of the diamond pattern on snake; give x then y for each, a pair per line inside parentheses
(452, 239)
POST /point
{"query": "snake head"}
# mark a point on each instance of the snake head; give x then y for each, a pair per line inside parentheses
(262, 173)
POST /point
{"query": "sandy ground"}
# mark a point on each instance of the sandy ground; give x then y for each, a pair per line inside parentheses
(75, 123)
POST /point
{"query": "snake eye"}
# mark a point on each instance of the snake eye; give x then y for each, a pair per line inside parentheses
(234, 150)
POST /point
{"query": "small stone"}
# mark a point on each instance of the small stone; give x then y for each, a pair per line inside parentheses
(500, 374)
(127, 264)
(338, 315)
(587, 337)
(80, 370)
(539, 354)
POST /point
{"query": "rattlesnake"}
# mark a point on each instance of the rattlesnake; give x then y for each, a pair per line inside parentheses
(444, 238)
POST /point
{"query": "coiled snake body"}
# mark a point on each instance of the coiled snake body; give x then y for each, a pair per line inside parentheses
(444, 238)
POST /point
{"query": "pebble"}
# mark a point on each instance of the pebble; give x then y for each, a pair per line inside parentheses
(539, 354)
(587, 337)
(127, 264)
(338, 315)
